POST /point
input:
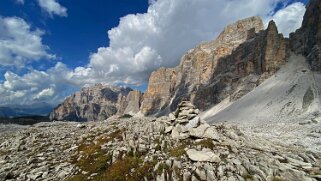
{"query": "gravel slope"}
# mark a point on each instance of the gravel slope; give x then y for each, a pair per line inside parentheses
(291, 95)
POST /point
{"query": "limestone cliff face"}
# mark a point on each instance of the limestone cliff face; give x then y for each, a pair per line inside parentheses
(161, 88)
(231, 65)
(245, 68)
(90, 104)
(307, 39)
(131, 103)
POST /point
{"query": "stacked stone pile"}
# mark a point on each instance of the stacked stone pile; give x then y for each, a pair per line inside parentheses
(186, 123)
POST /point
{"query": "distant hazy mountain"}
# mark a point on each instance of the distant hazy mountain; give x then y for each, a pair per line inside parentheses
(42, 109)
(7, 112)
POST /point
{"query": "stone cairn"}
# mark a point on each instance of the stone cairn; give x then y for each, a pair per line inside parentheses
(186, 123)
(186, 114)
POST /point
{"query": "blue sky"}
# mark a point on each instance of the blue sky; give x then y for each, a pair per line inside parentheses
(51, 48)
(73, 38)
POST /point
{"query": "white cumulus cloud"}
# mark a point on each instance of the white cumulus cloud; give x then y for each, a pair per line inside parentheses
(52, 7)
(290, 18)
(48, 92)
(50, 86)
(19, 44)
(142, 43)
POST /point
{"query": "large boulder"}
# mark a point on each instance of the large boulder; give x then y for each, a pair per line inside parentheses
(203, 156)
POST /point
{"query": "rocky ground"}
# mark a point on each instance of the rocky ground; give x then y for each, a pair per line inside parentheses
(177, 147)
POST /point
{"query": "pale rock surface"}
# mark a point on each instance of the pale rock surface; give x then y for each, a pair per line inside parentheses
(199, 131)
(130, 104)
(195, 122)
(202, 156)
(61, 150)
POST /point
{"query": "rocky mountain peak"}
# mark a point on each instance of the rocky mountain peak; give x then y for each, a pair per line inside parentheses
(307, 39)
(239, 31)
(233, 35)
(272, 27)
(218, 69)
(90, 104)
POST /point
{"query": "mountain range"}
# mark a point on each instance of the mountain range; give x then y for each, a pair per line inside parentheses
(221, 73)
(242, 107)
(41, 109)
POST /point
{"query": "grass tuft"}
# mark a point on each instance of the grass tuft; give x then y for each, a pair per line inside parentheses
(94, 159)
(177, 151)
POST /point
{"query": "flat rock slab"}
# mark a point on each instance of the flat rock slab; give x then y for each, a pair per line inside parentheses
(203, 156)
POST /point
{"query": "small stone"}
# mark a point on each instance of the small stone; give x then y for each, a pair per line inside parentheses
(177, 134)
(210, 175)
(161, 177)
(156, 166)
(177, 164)
(181, 129)
(211, 133)
(317, 119)
(231, 178)
(168, 129)
(35, 176)
(291, 174)
(186, 175)
(84, 172)
(171, 117)
(94, 174)
(299, 163)
(236, 162)
(45, 174)
(201, 173)
(186, 104)
(199, 131)
(182, 120)
(115, 155)
(169, 163)
(81, 126)
(180, 132)
(62, 174)
(195, 122)
(232, 135)
(123, 149)
(196, 111)
(142, 148)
